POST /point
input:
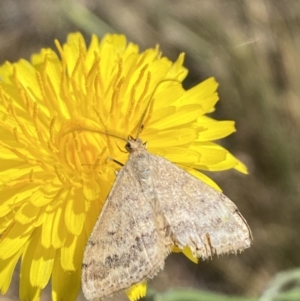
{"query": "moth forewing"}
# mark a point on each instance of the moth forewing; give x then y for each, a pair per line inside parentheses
(153, 206)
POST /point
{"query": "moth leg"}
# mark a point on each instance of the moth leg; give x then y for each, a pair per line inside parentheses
(116, 161)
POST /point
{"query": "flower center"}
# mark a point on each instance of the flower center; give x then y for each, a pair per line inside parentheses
(81, 145)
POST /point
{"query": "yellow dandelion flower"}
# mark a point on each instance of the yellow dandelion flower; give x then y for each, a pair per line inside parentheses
(55, 178)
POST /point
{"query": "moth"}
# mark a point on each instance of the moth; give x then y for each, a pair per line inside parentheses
(153, 206)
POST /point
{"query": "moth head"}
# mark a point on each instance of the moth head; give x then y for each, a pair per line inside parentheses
(135, 144)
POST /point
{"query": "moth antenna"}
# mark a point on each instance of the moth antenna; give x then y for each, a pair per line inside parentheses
(140, 123)
(104, 133)
(80, 129)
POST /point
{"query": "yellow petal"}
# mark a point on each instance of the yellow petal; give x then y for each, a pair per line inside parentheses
(59, 230)
(137, 291)
(241, 167)
(9, 199)
(27, 291)
(170, 137)
(46, 236)
(92, 214)
(175, 154)
(72, 252)
(214, 130)
(187, 252)
(27, 213)
(68, 288)
(165, 95)
(27, 76)
(75, 212)
(211, 153)
(14, 239)
(6, 221)
(7, 267)
(228, 162)
(6, 71)
(203, 94)
(175, 116)
(39, 199)
(41, 261)
(178, 70)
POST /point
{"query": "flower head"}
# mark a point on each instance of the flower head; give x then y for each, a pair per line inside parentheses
(60, 121)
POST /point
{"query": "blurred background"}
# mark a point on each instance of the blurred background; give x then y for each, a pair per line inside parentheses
(252, 48)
